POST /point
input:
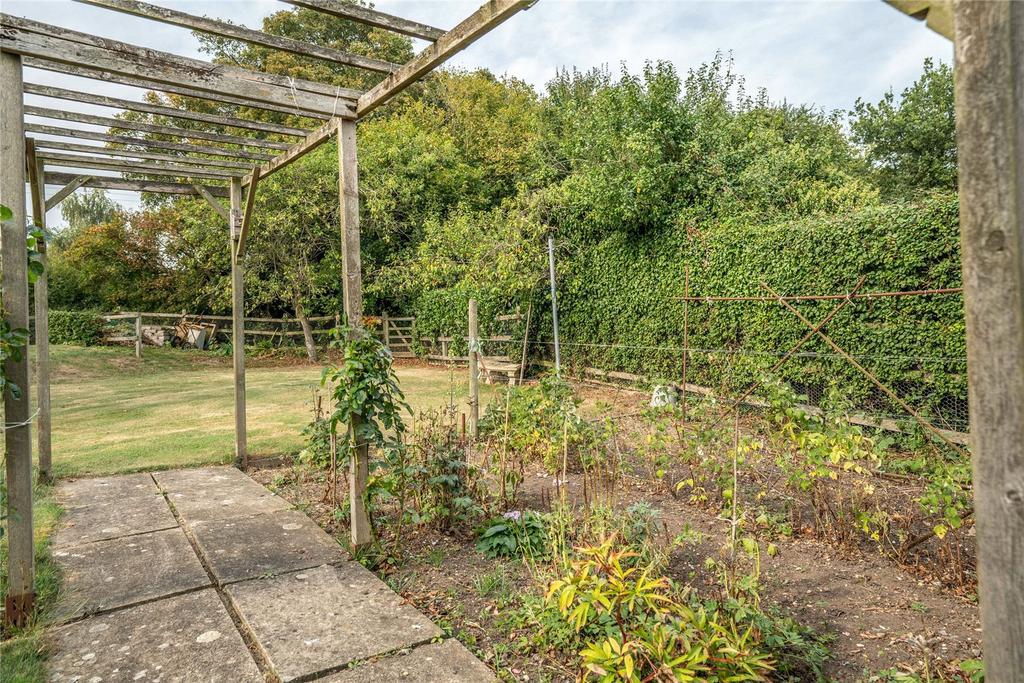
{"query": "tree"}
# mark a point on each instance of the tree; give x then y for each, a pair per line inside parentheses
(911, 144)
(82, 210)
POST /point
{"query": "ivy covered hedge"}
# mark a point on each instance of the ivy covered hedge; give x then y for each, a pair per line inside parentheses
(81, 328)
(624, 291)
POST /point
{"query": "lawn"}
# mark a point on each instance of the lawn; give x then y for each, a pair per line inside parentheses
(113, 413)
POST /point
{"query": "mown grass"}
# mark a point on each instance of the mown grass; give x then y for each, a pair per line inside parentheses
(23, 652)
(113, 413)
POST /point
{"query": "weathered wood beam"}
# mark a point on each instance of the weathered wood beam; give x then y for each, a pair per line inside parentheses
(135, 82)
(371, 17)
(134, 167)
(54, 43)
(213, 202)
(990, 140)
(238, 323)
(61, 194)
(459, 38)
(188, 134)
(156, 186)
(139, 154)
(41, 295)
(20, 598)
(250, 200)
(937, 14)
(235, 32)
(154, 144)
(160, 110)
(299, 149)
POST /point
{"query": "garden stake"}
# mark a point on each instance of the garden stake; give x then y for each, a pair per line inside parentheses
(735, 483)
(686, 332)
(853, 361)
(504, 446)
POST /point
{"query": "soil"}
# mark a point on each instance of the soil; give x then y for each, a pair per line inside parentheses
(880, 614)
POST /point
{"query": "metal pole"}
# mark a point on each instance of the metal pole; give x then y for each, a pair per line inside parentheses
(554, 303)
(474, 370)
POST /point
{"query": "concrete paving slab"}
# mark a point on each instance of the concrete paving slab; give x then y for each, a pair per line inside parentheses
(447, 662)
(209, 504)
(193, 478)
(91, 491)
(318, 620)
(240, 548)
(185, 638)
(125, 571)
(113, 519)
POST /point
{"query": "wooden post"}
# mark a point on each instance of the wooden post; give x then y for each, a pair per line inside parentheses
(990, 140)
(20, 598)
(238, 320)
(348, 189)
(138, 335)
(42, 310)
(474, 371)
(554, 303)
(384, 326)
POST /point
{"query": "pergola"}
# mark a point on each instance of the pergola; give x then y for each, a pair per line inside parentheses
(213, 165)
(989, 39)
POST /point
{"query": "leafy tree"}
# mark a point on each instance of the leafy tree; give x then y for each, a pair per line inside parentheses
(911, 143)
(82, 210)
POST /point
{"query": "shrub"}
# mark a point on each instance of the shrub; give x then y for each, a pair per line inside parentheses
(514, 534)
(82, 328)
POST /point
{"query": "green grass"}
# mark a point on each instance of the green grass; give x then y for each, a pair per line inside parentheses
(24, 653)
(113, 413)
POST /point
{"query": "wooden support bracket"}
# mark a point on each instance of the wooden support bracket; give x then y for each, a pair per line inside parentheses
(250, 199)
(63, 192)
(213, 201)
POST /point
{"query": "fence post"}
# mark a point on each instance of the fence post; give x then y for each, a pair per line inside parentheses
(990, 141)
(474, 360)
(554, 303)
(138, 335)
(384, 327)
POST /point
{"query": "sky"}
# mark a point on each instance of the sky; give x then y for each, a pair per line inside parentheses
(827, 52)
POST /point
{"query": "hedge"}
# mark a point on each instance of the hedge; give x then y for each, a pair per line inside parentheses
(81, 328)
(624, 290)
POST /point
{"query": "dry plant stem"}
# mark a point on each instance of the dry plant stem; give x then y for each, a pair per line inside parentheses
(867, 373)
(565, 459)
(686, 332)
(735, 483)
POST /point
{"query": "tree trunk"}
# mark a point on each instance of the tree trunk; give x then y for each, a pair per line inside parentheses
(307, 331)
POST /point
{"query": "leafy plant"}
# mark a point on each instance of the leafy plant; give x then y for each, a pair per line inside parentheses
(515, 534)
(82, 328)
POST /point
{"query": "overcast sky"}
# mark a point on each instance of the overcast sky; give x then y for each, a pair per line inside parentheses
(826, 53)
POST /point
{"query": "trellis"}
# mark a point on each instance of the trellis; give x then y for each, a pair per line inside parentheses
(215, 165)
(989, 38)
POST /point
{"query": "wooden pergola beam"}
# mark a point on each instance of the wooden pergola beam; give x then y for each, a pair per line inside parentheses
(183, 91)
(134, 167)
(250, 200)
(235, 32)
(138, 154)
(156, 186)
(937, 14)
(54, 43)
(61, 194)
(214, 203)
(60, 131)
(299, 149)
(160, 110)
(459, 38)
(371, 17)
(186, 133)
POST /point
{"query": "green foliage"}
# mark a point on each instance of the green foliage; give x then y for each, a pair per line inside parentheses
(514, 534)
(80, 328)
(646, 631)
(911, 143)
(14, 340)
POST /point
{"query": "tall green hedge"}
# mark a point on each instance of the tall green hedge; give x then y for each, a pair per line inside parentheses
(82, 328)
(619, 304)
(625, 290)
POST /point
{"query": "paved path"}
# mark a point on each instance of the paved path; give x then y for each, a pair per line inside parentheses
(204, 575)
